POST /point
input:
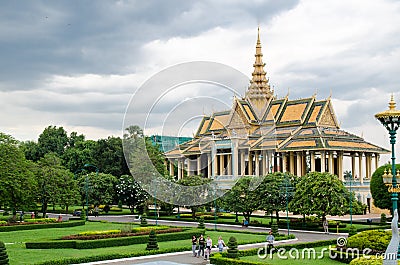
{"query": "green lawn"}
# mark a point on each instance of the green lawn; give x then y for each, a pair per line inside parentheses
(287, 259)
(18, 254)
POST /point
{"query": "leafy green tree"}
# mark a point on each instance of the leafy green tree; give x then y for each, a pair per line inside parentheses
(241, 198)
(55, 183)
(130, 192)
(3, 254)
(101, 188)
(109, 156)
(321, 194)
(17, 182)
(80, 152)
(53, 140)
(193, 181)
(379, 192)
(273, 194)
(31, 150)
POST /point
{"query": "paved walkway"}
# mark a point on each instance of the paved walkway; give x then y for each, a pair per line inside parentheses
(186, 257)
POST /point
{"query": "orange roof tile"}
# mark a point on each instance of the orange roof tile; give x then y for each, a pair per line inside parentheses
(293, 112)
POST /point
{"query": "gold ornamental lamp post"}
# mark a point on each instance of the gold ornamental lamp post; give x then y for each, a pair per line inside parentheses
(390, 119)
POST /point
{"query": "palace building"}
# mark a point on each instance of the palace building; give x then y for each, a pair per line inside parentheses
(262, 134)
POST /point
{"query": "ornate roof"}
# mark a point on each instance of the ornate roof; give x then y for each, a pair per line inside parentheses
(262, 122)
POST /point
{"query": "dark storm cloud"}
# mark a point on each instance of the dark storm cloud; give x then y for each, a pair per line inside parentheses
(43, 38)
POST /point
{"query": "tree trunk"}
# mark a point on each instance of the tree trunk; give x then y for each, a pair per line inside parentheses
(277, 216)
(44, 209)
(66, 208)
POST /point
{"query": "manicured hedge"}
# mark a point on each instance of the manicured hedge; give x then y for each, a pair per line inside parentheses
(111, 242)
(219, 260)
(65, 261)
(40, 226)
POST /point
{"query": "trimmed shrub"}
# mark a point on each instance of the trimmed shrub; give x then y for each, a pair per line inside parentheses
(369, 260)
(111, 242)
(16, 227)
(376, 240)
(3, 222)
(83, 215)
(143, 220)
(201, 223)
(383, 219)
(233, 248)
(42, 220)
(352, 230)
(152, 244)
(106, 232)
(274, 229)
(217, 259)
(3, 254)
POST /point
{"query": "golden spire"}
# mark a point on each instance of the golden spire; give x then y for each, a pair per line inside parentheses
(392, 112)
(259, 77)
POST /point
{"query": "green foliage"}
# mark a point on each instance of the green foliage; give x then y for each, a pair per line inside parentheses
(367, 260)
(232, 248)
(352, 230)
(383, 219)
(130, 192)
(321, 194)
(152, 244)
(40, 226)
(376, 240)
(52, 140)
(105, 232)
(143, 220)
(201, 223)
(379, 191)
(274, 229)
(110, 242)
(217, 259)
(41, 220)
(241, 198)
(3, 254)
(100, 188)
(17, 182)
(83, 215)
(66, 261)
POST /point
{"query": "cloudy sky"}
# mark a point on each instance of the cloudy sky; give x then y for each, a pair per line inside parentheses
(77, 63)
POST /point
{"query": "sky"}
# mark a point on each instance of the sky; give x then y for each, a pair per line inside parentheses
(78, 64)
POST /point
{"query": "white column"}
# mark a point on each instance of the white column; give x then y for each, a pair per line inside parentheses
(376, 161)
(340, 165)
(199, 165)
(298, 164)
(291, 162)
(312, 161)
(171, 167)
(229, 165)
(250, 163)
(257, 163)
(264, 170)
(353, 164)
(209, 165)
(323, 156)
(242, 163)
(221, 165)
(284, 162)
(179, 168)
(330, 163)
(360, 171)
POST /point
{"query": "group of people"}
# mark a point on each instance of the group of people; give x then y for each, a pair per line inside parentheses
(203, 246)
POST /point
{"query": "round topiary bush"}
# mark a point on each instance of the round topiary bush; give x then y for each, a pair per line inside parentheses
(352, 230)
(152, 244)
(376, 240)
(201, 223)
(233, 248)
(3, 254)
(274, 229)
(383, 219)
(143, 220)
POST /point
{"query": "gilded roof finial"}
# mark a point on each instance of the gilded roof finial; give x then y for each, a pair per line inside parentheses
(392, 103)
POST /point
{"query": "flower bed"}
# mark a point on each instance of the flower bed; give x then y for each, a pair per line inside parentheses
(116, 235)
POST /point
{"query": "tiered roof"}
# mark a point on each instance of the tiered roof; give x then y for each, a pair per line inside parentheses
(262, 122)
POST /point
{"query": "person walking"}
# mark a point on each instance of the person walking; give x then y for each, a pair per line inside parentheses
(208, 247)
(221, 244)
(96, 211)
(194, 245)
(202, 243)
